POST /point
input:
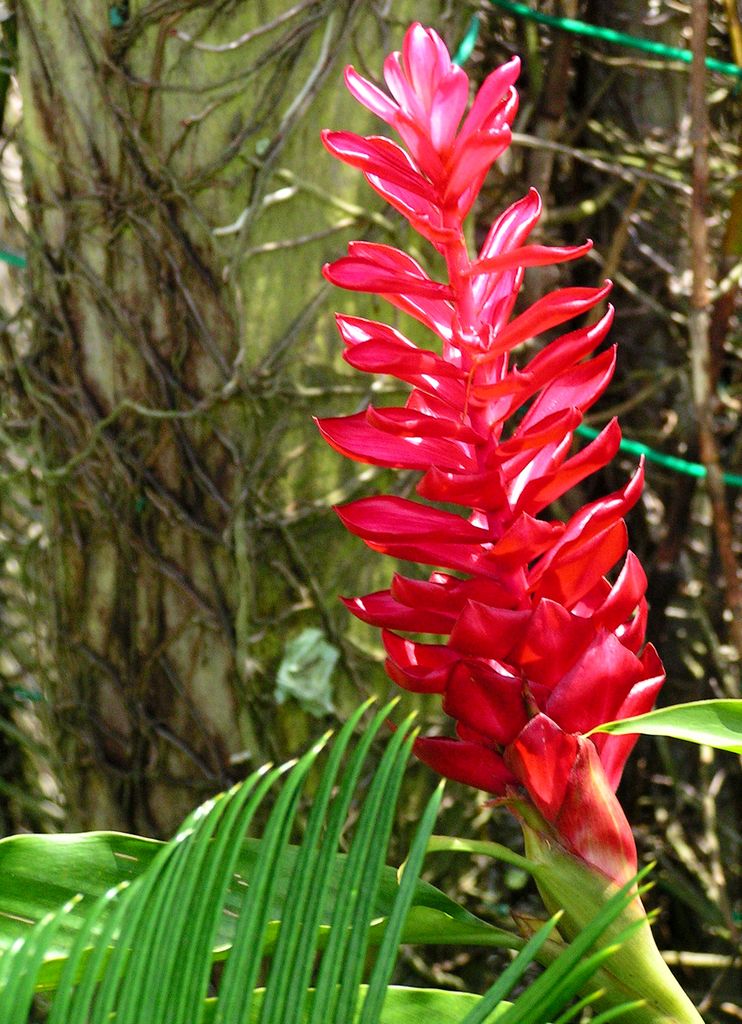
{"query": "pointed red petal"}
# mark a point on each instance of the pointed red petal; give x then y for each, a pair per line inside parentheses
(449, 594)
(474, 490)
(624, 596)
(537, 494)
(566, 782)
(420, 668)
(593, 690)
(592, 821)
(548, 312)
(381, 609)
(542, 757)
(524, 540)
(577, 388)
(488, 99)
(486, 700)
(529, 256)
(552, 642)
(370, 96)
(354, 437)
(614, 750)
(578, 568)
(389, 517)
(590, 520)
(465, 762)
(410, 423)
(548, 364)
(488, 632)
(360, 274)
(378, 155)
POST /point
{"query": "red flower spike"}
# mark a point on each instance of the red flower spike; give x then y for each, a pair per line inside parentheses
(532, 645)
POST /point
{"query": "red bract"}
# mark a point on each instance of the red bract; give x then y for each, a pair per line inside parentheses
(535, 646)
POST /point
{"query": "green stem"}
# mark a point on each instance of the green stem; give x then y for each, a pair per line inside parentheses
(453, 844)
(636, 969)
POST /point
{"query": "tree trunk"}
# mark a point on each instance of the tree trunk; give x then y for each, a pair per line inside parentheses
(180, 209)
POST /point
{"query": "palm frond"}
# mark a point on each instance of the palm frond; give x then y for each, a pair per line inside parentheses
(300, 920)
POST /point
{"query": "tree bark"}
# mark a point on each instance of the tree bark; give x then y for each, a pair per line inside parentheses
(180, 209)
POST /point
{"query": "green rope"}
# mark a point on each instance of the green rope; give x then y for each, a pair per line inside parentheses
(15, 259)
(118, 15)
(467, 44)
(609, 35)
(669, 461)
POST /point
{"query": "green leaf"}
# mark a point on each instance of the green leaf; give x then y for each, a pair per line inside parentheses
(575, 966)
(291, 965)
(402, 1005)
(339, 977)
(387, 955)
(716, 723)
(454, 844)
(39, 874)
(116, 922)
(511, 975)
(142, 937)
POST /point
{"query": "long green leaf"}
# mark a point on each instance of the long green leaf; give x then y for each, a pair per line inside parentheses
(141, 966)
(339, 974)
(433, 918)
(402, 1005)
(511, 975)
(615, 1012)
(139, 909)
(716, 723)
(387, 955)
(575, 1010)
(574, 967)
(157, 938)
(189, 910)
(143, 946)
(244, 960)
(19, 976)
(295, 952)
(102, 922)
(189, 988)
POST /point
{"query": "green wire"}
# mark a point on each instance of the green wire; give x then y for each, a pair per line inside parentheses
(463, 53)
(15, 259)
(609, 35)
(117, 16)
(669, 461)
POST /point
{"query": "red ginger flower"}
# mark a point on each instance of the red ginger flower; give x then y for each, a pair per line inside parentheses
(537, 646)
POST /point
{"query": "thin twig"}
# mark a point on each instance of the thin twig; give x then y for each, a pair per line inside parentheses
(698, 326)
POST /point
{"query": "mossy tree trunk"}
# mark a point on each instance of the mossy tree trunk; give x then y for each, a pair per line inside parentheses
(180, 208)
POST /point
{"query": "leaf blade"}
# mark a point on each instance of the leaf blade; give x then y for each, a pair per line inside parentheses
(714, 723)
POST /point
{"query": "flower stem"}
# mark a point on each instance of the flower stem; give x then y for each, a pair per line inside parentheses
(453, 844)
